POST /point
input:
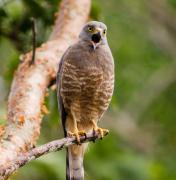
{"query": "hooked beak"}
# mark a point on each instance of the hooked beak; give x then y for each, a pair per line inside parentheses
(96, 37)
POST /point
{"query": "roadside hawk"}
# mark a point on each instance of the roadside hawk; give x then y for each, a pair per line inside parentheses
(85, 83)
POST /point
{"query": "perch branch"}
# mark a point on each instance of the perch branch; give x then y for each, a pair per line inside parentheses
(33, 41)
(30, 83)
(45, 149)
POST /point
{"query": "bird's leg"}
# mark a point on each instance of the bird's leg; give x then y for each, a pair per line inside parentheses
(75, 132)
(99, 130)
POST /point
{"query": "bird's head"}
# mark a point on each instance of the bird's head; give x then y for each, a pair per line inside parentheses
(95, 33)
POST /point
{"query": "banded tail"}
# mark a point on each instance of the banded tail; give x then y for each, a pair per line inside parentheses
(75, 156)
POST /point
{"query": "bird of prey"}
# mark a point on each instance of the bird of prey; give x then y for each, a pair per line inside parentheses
(85, 82)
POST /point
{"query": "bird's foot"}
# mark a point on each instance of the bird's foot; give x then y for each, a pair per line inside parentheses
(77, 134)
(101, 131)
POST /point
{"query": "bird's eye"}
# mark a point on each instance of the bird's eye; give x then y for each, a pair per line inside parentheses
(90, 29)
(104, 32)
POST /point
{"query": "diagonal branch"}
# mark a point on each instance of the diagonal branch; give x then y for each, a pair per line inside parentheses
(52, 146)
(30, 82)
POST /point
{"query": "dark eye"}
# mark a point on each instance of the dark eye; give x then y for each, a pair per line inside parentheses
(90, 29)
(104, 32)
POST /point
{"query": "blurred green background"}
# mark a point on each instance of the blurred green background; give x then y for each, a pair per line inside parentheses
(142, 115)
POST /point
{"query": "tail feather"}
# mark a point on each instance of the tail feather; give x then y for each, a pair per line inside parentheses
(74, 162)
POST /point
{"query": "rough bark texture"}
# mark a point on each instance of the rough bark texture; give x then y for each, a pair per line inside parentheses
(30, 82)
(52, 146)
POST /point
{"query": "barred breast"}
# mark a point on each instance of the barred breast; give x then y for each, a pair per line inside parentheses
(87, 83)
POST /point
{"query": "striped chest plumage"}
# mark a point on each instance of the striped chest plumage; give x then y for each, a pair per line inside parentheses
(87, 81)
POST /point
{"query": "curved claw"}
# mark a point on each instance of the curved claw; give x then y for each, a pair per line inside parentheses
(101, 131)
(77, 134)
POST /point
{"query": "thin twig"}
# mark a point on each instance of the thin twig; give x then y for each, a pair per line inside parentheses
(33, 41)
(45, 149)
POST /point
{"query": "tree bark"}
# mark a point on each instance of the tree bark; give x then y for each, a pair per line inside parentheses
(29, 85)
(52, 146)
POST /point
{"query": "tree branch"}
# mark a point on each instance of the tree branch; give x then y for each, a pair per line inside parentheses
(52, 146)
(30, 82)
(33, 41)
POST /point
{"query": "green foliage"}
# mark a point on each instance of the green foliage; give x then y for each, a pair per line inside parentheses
(172, 3)
(95, 10)
(139, 54)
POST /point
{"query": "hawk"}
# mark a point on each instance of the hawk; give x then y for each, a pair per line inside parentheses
(85, 82)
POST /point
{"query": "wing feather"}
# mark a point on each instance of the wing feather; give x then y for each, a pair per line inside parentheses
(63, 113)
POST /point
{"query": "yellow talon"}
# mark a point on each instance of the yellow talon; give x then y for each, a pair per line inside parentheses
(101, 131)
(77, 134)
